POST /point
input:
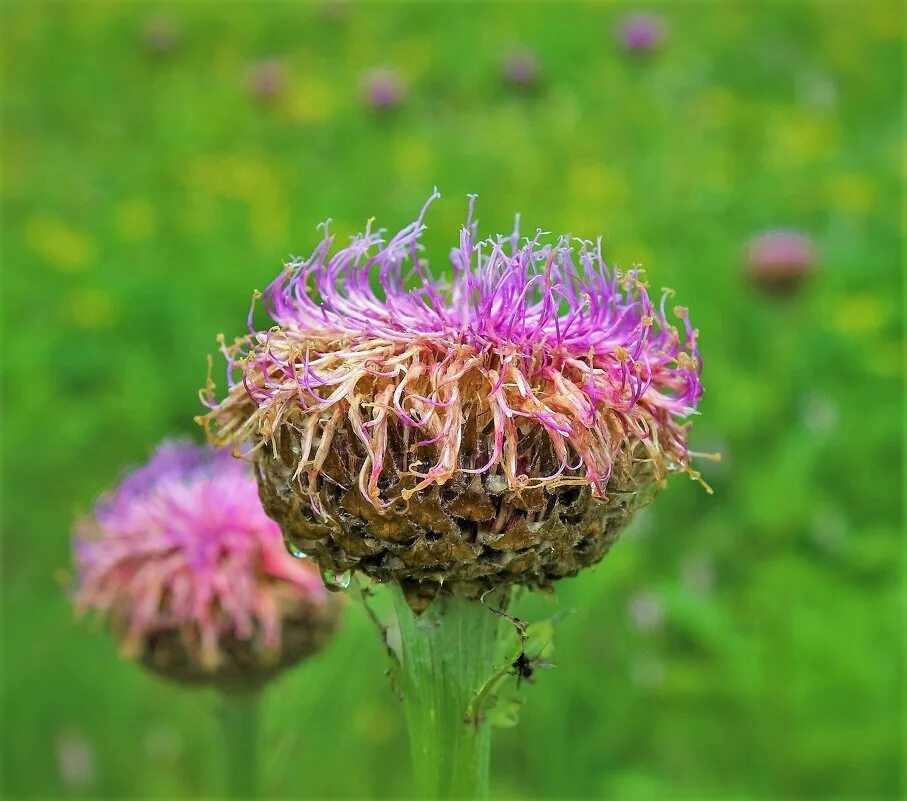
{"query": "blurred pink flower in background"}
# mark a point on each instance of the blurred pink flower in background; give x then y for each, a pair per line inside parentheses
(641, 32)
(779, 261)
(382, 89)
(520, 69)
(267, 79)
(193, 575)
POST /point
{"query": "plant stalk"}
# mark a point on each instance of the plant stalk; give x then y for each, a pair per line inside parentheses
(240, 720)
(447, 655)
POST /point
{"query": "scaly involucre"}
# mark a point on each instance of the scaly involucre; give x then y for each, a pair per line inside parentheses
(183, 548)
(530, 341)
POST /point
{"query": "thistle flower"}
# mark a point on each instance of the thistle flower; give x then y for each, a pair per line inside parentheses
(520, 68)
(500, 427)
(194, 576)
(382, 89)
(641, 32)
(779, 262)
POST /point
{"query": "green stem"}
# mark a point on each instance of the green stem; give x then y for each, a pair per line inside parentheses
(239, 717)
(448, 655)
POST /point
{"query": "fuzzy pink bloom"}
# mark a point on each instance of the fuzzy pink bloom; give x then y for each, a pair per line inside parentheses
(521, 68)
(641, 32)
(182, 549)
(382, 89)
(779, 261)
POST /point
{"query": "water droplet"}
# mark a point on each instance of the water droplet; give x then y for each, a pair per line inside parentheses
(336, 582)
(295, 550)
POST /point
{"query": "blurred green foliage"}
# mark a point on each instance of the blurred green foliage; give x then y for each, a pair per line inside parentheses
(743, 645)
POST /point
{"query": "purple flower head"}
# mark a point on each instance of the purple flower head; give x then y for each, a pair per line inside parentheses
(181, 556)
(382, 89)
(531, 333)
(780, 261)
(641, 32)
(499, 423)
(520, 68)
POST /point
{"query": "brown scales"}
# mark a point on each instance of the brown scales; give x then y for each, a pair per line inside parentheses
(465, 537)
(244, 665)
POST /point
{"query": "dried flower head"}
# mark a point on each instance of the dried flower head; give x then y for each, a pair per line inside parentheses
(780, 261)
(193, 575)
(499, 427)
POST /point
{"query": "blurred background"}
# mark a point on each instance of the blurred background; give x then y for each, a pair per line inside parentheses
(161, 161)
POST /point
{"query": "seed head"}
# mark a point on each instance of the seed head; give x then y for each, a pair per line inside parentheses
(500, 426)
(194, 577)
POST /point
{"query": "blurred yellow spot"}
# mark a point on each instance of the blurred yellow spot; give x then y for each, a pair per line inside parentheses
(860, 314)
(885, 19)
(313, 101)
(798, 138)
(593, 182)
(851, 192)
(413, 156)
(714, 106)
(59, 244)
(91, 309)
(135, 220)
(248, 179)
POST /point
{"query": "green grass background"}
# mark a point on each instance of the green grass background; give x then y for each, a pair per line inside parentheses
(144, 197)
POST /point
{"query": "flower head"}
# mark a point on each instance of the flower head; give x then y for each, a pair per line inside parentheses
(195, 577)
(780, 261)
(382, 89)
(641, 32)
(497, 427)
(520, 69)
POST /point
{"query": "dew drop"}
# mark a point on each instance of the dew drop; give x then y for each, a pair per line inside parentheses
(295, 550)
(336, 582)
